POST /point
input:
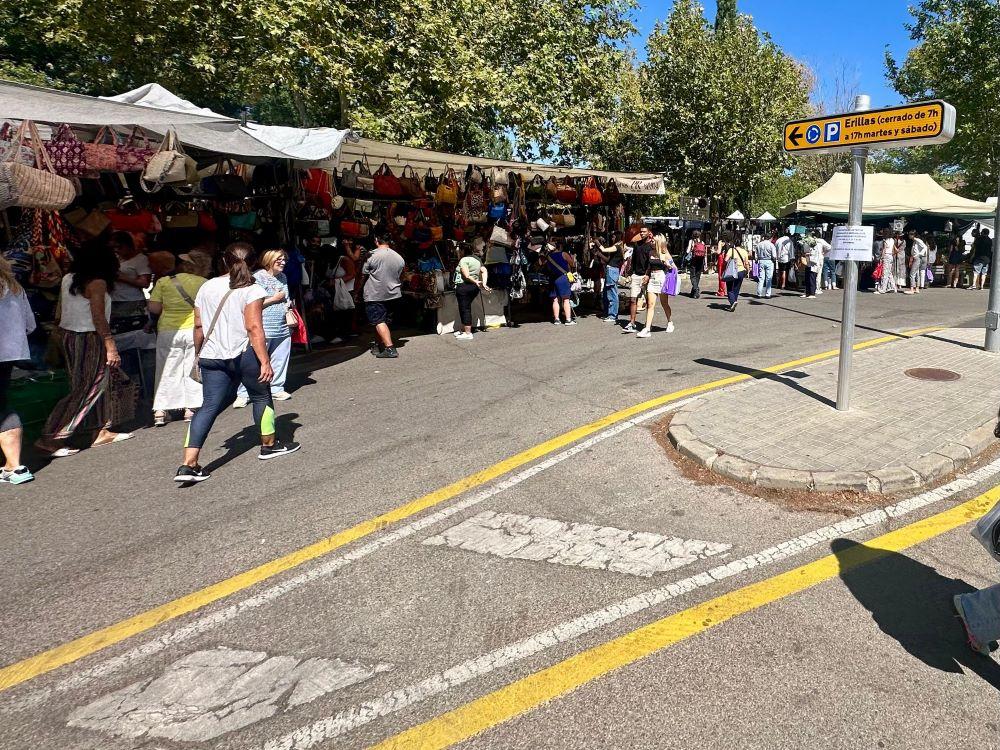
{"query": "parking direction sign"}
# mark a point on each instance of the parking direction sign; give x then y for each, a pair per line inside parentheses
(918, 124)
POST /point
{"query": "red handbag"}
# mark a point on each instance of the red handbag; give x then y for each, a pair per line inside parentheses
(134, 221)
(387, 185)
(318, 187)
(207, 222)
(66, 153)
(353, 228)
(566, 191)
(101, 156)
(591, 193)
(299, 333)
(612, 196)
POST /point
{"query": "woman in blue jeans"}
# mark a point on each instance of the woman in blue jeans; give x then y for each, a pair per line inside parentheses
(229, 339)
(736, 264)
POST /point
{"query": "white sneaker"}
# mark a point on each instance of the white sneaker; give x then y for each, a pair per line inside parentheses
(240, 403)
(630, 328)
(464, 336)
(818, 291)
(645, 333)
(610, 320)
(281, 396)
(570, 322)
(670, 327)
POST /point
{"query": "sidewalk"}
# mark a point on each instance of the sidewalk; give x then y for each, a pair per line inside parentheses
(783, 432)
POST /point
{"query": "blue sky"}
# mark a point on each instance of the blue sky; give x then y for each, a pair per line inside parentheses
(831, 36)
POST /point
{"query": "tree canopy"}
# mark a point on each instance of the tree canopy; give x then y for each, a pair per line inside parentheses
(465, 75)
(956, 59)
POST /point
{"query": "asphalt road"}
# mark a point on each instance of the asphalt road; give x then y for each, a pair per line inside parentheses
(435, 611)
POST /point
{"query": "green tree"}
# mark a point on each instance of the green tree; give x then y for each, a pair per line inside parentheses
(956, 59)
(725, 14)
(537, 76)
(714, 105)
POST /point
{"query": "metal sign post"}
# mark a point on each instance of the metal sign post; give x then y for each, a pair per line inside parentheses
(917, 124)
(993, 309)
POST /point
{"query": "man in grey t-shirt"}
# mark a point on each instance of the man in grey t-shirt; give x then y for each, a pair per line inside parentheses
(383, 286)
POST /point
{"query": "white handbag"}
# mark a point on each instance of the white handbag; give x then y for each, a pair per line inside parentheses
(541, 225)
(170, 165)
(500, 236)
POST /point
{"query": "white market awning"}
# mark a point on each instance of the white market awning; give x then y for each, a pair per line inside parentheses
(305, 145)
(766, 216)
(889, 195)
(398, 157)
(19, 101)
(736, 216)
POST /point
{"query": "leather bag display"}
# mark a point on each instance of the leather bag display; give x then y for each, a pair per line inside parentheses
(387, 185)
(170, 165)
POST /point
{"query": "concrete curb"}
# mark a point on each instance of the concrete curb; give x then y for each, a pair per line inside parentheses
(897, 478)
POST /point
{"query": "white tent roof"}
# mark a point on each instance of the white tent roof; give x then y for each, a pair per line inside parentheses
(19, 101)
(397, 157)
(889, 195)
(736, 216)
(766, 216)
(309, 145)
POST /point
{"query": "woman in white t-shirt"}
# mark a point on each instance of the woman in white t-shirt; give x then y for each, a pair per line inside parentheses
(232, 349)
(91, 353)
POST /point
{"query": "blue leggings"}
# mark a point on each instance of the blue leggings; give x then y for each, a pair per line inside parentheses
(219, 380)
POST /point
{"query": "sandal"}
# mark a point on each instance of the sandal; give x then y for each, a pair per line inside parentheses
(118, 438)
(159, 418)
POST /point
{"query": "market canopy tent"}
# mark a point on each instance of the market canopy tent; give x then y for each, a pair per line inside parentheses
(736, 216)
(766, 216)
(305, 145)
(19, 101)
(398, 157)
(888, 195)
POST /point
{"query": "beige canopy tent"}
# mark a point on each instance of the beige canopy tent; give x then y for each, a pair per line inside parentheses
(398, 157)
(888, 195)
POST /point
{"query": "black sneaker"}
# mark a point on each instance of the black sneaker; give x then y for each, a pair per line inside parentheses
(191, 475)
(388, 353)
(278, 449)
(375, 348)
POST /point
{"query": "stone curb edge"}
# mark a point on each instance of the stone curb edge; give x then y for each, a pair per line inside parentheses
(910, 476)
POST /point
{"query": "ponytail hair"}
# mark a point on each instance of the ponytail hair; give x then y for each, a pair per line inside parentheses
(237, 259)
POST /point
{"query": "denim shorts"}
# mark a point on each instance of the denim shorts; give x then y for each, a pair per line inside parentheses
(981, 266)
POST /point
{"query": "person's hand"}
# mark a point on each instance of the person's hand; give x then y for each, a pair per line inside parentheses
(645, 279)
(280, 296)
(114, 358)
(266, 373)
(485, 288)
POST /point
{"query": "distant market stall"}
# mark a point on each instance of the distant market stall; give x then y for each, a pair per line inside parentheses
(888, 196)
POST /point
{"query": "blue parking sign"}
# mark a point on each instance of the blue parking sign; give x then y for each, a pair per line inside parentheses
(832, 132)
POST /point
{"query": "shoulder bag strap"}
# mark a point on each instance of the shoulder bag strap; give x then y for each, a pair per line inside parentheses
(183, 292)
(215, 318)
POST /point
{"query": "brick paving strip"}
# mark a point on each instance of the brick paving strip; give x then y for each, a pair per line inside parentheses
(783, 432)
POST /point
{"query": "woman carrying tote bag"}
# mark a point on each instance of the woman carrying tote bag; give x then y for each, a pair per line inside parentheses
(736, 265)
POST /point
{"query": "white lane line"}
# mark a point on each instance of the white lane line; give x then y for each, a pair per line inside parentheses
(203, 624)
(396, 700)
(513, 536)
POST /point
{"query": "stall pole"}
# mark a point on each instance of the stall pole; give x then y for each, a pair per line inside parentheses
(993, 310)
(859, 157)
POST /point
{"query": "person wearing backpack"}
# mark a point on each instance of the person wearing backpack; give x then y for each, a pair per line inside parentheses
(698, 251)
(736, 266)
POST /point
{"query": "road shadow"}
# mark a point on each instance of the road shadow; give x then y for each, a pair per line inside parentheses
(248, 439)
(784, 378)
(946, 340)
(912, 603)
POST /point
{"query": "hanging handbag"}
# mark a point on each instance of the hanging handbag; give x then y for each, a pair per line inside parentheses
(612, 195)
(411, 184)
(170, 165)
(359, 177)
(92, 223)
(67, 153)
(196, 368)
(50, 258)
(564, 219)
(552, 189)
(447, 189)
(129, 218)
(591, 195)
(101, 156)
(499, 193)
(37, 187)
(246, 221)
(133, 158)
(178, 216)
(386, 184)
(317, 184)
(354, 229)
(225, 183)
(430, 181)
(498, 212)
(535, 190)
(566, 191)
(9, 142)
(500, 236)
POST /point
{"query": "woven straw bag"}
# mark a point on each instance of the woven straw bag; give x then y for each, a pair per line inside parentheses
(8, 190)
(41, 187)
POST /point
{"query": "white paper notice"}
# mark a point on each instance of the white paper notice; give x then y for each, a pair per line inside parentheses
(852, 243)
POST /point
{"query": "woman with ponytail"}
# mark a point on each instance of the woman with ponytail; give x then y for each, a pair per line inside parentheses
(232, 350)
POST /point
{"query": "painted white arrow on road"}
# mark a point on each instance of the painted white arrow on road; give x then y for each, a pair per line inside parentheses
(511, 536)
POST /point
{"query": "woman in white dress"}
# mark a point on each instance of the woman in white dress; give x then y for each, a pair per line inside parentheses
(888, 266)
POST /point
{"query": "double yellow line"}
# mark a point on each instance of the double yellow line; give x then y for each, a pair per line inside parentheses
(69, 652)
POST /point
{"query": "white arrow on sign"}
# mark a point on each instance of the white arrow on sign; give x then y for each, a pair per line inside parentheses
(583, 545)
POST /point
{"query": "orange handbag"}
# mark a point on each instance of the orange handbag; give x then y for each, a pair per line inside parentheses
(591, 193)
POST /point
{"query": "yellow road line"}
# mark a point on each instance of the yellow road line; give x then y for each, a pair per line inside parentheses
(563, 677)
(66, 653)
